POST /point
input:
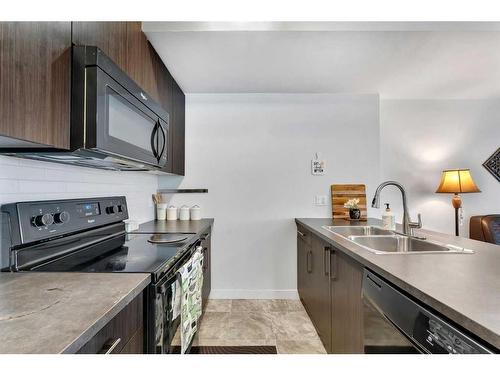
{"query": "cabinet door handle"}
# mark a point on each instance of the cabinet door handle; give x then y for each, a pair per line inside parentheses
(326, 260)
(309, 261)
(301, 234)
(109, 346)
(333, 264)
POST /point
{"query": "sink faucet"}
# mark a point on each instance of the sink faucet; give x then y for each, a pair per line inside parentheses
(408, 225)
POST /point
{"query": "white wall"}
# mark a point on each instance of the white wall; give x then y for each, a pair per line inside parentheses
(420, 138)
(253, 153)
(24, 180)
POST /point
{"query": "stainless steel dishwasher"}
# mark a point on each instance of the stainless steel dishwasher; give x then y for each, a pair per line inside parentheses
(394, 323)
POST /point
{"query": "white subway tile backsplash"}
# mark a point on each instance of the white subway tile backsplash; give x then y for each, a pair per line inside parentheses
(16, 172)
(41, 186)
(25, 180)
(9, 186)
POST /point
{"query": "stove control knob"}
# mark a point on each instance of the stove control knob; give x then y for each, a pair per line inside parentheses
(112, 210)
(120, 208)
(43, 220)
(61, 217)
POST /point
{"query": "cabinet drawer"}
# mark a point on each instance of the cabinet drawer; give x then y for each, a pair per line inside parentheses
(116, 335)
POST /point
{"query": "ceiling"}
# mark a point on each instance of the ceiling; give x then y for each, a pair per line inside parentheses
(396, 60)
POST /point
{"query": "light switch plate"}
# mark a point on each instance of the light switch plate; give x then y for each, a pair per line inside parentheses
(320, 200)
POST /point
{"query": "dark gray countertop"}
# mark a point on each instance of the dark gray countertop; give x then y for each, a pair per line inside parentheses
(59, 312)
(463, 287)
(175, 226)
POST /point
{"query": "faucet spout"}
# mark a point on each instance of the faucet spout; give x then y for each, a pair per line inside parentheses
(408, 225)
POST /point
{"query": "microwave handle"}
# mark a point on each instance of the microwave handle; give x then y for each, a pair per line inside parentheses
(164, 136)
(154, 139)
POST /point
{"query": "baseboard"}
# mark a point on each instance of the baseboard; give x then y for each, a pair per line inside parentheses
(254, 294)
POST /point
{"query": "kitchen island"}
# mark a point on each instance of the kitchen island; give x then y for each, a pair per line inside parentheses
(464, 288)
(61, 312)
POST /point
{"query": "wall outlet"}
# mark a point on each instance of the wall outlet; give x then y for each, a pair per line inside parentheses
(320, 200)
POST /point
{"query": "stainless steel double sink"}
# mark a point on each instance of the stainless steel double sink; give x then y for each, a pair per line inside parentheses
(382, 241)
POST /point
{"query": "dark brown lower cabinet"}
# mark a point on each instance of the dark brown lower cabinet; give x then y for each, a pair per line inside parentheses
(124, 334)
(320, 290)
(346, 304)
(207, 263)
(304, 268)
(329, 286)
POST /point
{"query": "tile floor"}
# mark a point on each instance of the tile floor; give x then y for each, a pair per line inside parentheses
(283, 323)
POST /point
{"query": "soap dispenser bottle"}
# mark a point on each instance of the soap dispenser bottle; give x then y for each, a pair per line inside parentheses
(388, 219)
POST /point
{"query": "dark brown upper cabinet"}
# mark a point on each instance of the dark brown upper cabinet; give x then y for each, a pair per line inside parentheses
(110, 37)
(178, 128)
(35, 76)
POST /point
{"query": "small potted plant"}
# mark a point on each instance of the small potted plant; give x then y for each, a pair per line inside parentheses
(354, 211)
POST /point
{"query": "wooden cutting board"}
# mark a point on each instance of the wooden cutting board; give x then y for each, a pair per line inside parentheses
(341, 193)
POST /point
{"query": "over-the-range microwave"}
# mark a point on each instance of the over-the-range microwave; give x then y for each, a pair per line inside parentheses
(114, 123)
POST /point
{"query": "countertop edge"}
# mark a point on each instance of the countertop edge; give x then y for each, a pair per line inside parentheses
(458, 318)
(204, 223)
(90, 332)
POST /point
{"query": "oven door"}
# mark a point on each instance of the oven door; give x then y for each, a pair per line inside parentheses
(165, 324)
(123, 125)
(166, 321)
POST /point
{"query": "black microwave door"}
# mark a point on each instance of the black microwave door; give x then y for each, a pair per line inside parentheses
(124, 125)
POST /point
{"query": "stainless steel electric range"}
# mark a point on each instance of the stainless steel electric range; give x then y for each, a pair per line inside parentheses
(88, 235)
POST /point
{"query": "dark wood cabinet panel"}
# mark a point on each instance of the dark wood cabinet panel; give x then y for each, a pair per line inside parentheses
(207, 268)
(165, 96)
(127, 326)
(136, 344)
(178, 130)
(320, 312)
(347, 305)
(329, 286)
(304, 269)
(313, 282)
(35, 72)
(110, 37)
(142, 63)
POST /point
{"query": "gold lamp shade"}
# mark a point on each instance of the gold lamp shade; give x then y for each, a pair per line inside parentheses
(457, 181)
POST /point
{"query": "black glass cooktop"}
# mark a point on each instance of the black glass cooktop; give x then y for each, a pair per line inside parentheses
(127, 253)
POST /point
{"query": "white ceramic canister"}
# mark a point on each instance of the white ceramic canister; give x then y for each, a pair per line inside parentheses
(184, 213)
(161, 211)
(172, 213)
(195, 212)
